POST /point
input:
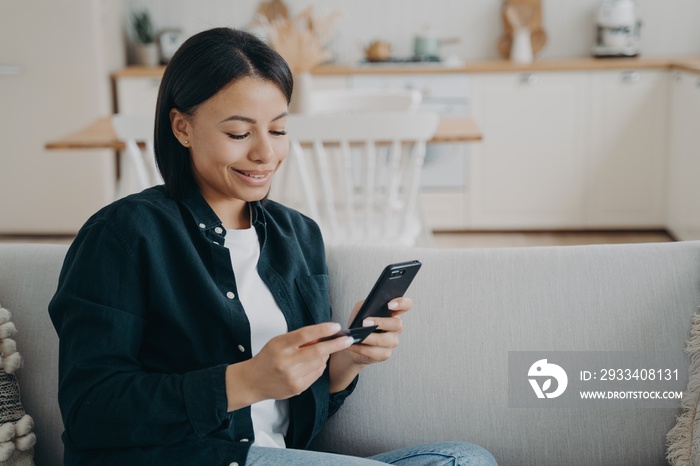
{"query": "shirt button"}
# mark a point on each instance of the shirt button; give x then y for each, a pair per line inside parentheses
(241, 348)
(201, 225)
(244, 440)
(230, 295)
(216, 242)
(218, 230)
(233, 464)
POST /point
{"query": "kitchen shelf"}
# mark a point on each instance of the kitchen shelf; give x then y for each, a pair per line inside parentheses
(690, 64)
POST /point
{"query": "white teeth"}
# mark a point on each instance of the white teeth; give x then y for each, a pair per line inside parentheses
(254, 176)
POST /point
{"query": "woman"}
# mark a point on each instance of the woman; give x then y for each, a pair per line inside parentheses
(190, 315)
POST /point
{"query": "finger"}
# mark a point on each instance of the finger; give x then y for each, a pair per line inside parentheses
(400, 305)
(388, 340)
(386, 324)
(371, 354)
(310, 377)
(312, 333)
(333, 346)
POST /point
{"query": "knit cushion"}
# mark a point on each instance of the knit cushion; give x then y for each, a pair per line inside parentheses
(16, 437)
(683, 440)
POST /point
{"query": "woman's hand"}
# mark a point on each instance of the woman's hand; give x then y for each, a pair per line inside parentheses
(377, 347)
(286, 366)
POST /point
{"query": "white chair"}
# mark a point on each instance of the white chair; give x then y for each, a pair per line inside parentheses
(363, 100)
(138, 169)
(357, 192)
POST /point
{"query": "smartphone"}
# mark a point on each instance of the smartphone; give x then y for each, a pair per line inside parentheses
(392, 283)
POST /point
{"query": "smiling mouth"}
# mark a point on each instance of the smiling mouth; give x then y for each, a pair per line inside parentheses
(255, 175)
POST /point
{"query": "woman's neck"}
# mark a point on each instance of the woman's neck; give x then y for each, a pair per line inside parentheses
(239, 220)
(234, 214)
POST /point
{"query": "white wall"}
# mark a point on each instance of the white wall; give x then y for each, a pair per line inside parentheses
(670, 27)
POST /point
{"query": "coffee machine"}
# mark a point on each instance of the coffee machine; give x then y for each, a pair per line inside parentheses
(618, 29)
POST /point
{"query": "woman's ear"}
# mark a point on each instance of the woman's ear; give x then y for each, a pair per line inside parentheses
(181, 127)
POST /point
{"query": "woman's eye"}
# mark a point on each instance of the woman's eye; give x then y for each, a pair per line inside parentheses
(238, 136)
(279, 133)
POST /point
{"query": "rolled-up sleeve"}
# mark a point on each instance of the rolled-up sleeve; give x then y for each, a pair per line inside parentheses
(337, 399)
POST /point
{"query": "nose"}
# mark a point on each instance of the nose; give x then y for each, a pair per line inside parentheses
(263, 151)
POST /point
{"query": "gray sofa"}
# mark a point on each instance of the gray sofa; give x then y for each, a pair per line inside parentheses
(449, 378)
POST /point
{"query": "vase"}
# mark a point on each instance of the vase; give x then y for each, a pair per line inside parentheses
(301, 96)
(521, 50)
(147, 54)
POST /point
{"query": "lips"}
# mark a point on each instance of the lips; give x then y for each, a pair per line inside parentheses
(254, 177)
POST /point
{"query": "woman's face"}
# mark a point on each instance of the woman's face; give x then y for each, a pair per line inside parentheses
(237, 140)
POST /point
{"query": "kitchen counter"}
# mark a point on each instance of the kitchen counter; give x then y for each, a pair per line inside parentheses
(100, 134)
(500, 66)
(691, 64)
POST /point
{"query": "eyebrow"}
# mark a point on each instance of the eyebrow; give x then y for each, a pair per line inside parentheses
(250, 120)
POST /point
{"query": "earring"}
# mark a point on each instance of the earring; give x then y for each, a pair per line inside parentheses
(187, 142)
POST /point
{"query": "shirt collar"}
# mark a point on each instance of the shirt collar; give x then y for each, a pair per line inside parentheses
(258, 211)
(202, 213)
(205, 217)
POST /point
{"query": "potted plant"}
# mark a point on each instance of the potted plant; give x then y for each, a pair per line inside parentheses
(146, 49)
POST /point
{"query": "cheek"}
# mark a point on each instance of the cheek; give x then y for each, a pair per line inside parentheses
(281, 149)
(210, 157)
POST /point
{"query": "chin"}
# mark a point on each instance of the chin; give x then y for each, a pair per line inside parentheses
(258, 195)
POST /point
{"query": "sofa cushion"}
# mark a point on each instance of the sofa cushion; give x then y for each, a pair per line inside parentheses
(684, 439)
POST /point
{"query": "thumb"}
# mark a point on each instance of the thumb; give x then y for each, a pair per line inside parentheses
(314, 332)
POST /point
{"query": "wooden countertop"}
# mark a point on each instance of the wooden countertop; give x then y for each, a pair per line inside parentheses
(97, 135)
(500, 66)
(688, 64)
(100, 135)
(691, 64)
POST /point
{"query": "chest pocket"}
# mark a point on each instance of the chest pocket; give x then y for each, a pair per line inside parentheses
(314, 291)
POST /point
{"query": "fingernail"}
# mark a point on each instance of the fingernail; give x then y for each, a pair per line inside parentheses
(393, 305)
(349, 340)
(368, 323)
(335, 327)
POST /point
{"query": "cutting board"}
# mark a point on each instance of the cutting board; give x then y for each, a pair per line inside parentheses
(532, 12)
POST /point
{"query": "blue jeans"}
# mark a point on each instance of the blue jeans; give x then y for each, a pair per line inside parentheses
(431, 454)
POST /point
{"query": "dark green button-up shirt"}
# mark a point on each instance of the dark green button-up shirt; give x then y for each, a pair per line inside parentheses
(148, 318)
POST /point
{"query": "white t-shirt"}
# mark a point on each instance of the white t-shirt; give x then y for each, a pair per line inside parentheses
(270, 417)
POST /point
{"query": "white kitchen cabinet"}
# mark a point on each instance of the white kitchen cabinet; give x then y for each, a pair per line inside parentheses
(626, 162)
(684, 167)
(445, 210)
(137, 95)
(528, 172)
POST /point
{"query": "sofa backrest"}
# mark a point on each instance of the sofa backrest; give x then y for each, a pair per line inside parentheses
(448, 379)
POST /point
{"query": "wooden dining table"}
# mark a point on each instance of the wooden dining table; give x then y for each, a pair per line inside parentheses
(100, 134)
